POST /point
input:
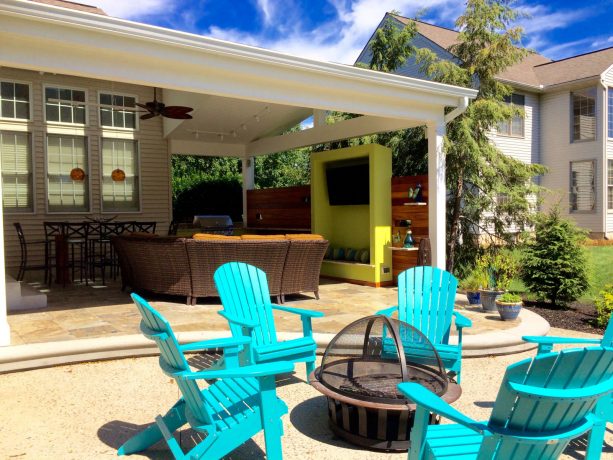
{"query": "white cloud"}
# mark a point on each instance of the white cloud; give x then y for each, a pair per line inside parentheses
(134, 9)
(267, 10)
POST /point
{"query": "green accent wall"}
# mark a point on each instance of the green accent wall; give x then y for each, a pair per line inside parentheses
(357, 226)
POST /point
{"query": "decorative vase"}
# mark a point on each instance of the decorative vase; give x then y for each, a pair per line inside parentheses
(508, 311)
(474, 297)
(488, 299)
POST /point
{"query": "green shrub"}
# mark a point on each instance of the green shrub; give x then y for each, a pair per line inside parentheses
(499, 267)
(475, 280)
(604, 305)
(554, 262)
(507, 297)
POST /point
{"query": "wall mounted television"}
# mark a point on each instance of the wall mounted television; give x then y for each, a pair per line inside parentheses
(348, 182)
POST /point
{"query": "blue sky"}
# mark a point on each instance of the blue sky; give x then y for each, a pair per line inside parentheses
(336, 30)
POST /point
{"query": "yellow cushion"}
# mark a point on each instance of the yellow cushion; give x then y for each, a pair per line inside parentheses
(263, 237)
(213, 236)
(303, 236)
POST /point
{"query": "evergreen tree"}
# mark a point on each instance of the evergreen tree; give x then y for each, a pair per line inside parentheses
(554, 262)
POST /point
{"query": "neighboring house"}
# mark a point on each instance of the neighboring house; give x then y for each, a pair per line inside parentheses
(568, 123)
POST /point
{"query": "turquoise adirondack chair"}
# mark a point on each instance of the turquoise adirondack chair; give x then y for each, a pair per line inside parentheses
(604, 408)
(243, 290)
(542, 404)
(241, 402)
(426, 297)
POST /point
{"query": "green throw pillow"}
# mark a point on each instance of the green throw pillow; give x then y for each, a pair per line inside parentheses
(365, 256)
(350, 254)
(338, 254)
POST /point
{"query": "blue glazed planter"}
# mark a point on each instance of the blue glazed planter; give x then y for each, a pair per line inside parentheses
(488, 299)
(474, 297)
(508, 311)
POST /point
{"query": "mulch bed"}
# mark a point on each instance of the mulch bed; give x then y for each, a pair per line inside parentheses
(577, 317)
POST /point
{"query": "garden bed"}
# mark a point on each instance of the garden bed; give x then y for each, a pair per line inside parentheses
(578, 316)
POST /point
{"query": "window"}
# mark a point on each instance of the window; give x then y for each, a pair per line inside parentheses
(14, 100)
(515, 126)
(610, 110)
(67, 174)
(113, 116)
(16, 159)
(64, 105)
(582, 185)
(120, 179)
(584, 114)
(610, 184)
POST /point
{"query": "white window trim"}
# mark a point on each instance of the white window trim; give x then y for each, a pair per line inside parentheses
(570, 172)
(62, 123)
(140, 182)
(89, 182)
(572, 119)
(115, 128)
(31, 104)
(33, 165)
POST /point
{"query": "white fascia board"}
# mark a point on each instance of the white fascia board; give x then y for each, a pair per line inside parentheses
(41, 37)
(205, 149)
(346, 129)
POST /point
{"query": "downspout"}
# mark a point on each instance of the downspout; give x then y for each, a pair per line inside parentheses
(605, 161)
(459, 110)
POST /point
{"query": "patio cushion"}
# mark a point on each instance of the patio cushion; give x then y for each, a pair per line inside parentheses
(303, 236)
(262, 237)
(212, 236)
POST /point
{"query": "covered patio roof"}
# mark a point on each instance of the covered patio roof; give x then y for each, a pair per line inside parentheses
(231, 86)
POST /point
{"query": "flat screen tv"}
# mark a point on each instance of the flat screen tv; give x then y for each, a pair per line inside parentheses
(348, 182)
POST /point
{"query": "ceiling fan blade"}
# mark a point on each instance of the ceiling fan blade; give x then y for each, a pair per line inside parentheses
(176, 111)
(142, 106)
(149, 115)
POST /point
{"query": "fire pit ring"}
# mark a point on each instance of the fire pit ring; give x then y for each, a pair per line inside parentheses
(359, 374)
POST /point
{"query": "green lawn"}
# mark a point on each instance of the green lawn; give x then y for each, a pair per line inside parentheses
(600, 263)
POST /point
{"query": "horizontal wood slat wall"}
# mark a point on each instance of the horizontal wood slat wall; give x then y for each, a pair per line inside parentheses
(417, 214)
(280, 208)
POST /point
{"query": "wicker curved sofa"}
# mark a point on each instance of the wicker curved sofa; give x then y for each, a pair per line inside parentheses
(185, 266)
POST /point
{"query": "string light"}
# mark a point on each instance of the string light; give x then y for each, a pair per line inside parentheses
(244, 126)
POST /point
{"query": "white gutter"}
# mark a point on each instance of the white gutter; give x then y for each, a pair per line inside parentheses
(459, 110)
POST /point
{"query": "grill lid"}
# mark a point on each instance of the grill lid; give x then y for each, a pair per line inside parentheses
(371, 356)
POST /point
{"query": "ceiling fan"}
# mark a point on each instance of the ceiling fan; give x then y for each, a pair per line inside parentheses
(156, 108)
(153, 108)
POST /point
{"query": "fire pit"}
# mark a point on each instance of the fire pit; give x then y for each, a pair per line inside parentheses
(359, 374)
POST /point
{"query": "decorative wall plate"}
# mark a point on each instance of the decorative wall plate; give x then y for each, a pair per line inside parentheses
(77, 174)
(118, 175)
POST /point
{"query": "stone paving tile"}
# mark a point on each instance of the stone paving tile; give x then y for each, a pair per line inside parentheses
(85, 311)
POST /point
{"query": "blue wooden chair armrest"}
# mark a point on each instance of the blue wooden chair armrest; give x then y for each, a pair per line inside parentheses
(546, 343)
(388, 311)
(240, 321)
(299, 311)
(254, 370)
(227, 342)
(425, 398)
(533, 392)
(461, 321)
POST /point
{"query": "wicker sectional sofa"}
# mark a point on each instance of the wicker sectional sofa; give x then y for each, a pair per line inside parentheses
(185, 266)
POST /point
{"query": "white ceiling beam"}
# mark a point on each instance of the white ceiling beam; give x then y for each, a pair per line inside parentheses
(205, 149)
(347, 129)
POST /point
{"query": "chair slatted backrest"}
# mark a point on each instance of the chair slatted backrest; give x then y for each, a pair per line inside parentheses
(607, 338)
(576, 371)
(172, 361)
(243, 290)
(426, 297)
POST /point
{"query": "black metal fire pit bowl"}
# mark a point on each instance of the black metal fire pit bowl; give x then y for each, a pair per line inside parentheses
(359, 374)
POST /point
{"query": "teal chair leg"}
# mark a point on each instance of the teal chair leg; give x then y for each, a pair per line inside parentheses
(310, 367)
(174, 419)
(271, 422)
(595, 441)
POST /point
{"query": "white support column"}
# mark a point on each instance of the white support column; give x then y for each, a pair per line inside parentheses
(437, 192)
(248, 183)
(5, 330)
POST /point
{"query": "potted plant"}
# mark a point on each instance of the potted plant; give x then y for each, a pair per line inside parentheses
(472, 284)
(509, 305)
(500, 268)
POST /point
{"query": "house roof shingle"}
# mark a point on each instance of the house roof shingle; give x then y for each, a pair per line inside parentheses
(534, 70)
(72, 6)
